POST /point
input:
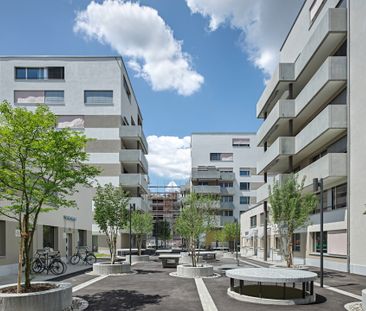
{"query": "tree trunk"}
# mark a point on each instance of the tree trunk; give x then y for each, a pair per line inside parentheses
(20, 262)
(289, 250)
(27, 271)
(113, 249)
(140, 244)
(193, 253)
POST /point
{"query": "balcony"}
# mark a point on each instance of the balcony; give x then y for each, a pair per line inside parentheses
(326, 82)
(128, 156)
(227, 176)
(206, 189)
(227, 205)
(134, 133)
(134, 181)
(276, 155)
(205, 174)
(329, 33)
(227, 190)
(332, 168)
(140, 203)
(327, 125)
(220, 221)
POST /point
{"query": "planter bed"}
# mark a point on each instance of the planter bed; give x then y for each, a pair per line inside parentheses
(187, 271)
(136, 258)
(105, 268)
(57, 298)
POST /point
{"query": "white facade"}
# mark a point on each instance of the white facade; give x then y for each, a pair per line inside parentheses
(217, 160)
(93, 95)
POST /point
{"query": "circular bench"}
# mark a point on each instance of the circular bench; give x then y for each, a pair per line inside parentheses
(272, 285)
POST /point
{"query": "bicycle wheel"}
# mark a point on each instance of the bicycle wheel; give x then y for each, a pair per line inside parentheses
(90, 259)
(57, 267)
(37, 266)
(74, 259)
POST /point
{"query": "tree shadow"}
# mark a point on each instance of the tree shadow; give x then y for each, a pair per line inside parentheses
(140, 271)
(121, 300)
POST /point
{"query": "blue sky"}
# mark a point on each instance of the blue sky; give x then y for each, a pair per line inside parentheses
(233, 52)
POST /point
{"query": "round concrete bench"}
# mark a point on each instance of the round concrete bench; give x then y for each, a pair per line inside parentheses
(137, 258)
(271, 286)
(105, 268)
(187, 271)
(56, 299)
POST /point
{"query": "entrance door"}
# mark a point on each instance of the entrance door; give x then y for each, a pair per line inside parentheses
(69, 245)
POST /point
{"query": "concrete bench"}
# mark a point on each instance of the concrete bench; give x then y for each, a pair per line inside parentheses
(169, 260)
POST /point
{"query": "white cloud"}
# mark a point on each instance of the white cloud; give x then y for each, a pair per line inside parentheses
(140, 34)
(170, 156)
(264, 24)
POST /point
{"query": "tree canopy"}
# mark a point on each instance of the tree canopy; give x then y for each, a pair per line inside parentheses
(142, 225)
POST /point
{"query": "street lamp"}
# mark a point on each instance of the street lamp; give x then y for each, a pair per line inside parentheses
(318, 185)
(132, 207)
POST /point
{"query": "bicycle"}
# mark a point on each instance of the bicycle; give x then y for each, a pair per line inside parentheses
(87, 258)
(47, 260)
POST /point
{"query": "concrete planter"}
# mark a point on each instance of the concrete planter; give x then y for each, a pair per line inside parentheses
(104, 268)
(137, 258)
(57, 299)
(364, 299)
(187, 271)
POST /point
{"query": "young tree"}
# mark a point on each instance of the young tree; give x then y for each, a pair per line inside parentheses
(40, 169)
(196, 218)
(230, 234)
(164, 231)
(142, 225)
(290, 209)
(111, 214)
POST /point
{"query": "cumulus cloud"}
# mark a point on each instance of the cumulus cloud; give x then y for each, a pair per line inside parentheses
(140, 34)
(264, 25)
(170, 156)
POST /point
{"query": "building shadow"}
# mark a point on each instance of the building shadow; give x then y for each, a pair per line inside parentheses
(120, 300)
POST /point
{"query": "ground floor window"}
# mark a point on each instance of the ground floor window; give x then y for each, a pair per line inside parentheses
(296, 242)
(2, 238)
(316, 242)
(50, 237)
(82, 238)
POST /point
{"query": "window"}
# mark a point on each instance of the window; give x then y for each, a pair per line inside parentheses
(98, 97)
(225, 157)
(127, 89)
(227, 213)
(227, 198)
(39, 97)
(253, 221)
(2, 238)
(241, 142)
(226, 169)
(245, 186)
(316, 242)
(82, 238)
(277, 243)
(315, 9)
(39, 73)
(50, 237)
(244, 172)
(296, 242)
(244, 200)
(226, 184)
(340, 196)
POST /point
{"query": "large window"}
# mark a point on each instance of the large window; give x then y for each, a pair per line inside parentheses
(333, 198)
(245, 186)
(241, 142)
(50, 237)
(39, 73)
(296, 242)
(227, 198)
(82, 238)
(316, 242)
(244, 200)
(226, 184)
(253, 221)
(98, 97)
(225, 157)
(244, 172)
(2, 238)
(39, 97)
(127, 89)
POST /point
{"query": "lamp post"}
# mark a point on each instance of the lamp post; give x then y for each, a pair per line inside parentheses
(132, 206)
(318, 185)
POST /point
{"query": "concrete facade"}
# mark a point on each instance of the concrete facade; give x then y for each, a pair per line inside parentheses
(224, 165)
(311, 110)
(92, 95)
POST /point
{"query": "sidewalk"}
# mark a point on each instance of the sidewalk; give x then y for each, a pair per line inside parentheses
(352, 283)
(71, 269)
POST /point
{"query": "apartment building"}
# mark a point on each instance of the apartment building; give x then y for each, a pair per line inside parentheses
(224, 166)
(313, 125)
(92, 95)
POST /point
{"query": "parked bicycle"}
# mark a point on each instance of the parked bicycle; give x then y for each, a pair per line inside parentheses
(83, 254)
(49, 260)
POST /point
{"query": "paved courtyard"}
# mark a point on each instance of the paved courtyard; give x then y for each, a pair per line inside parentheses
(152, 288)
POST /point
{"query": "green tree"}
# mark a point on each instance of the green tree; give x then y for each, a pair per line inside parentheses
(290, 209)
(164, 230)
(142, 225)
(230, 234)
(111, 214)
(40, 169)
(195, 219)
